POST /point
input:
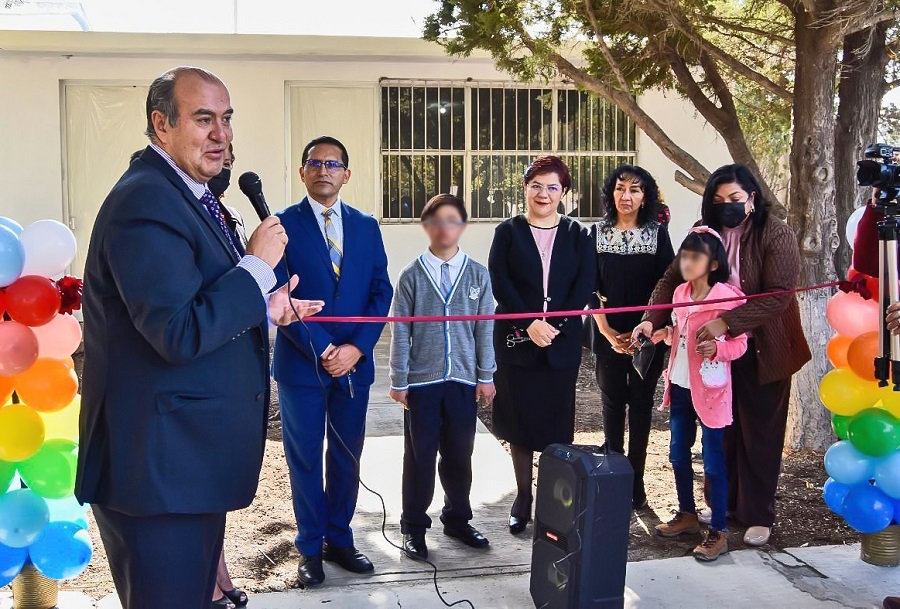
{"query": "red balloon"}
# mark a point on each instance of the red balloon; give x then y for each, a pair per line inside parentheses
(2, 303)
(33, 300)
(18, 348)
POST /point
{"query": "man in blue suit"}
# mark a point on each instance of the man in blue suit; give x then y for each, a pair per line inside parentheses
(324, 371)
(176, 382)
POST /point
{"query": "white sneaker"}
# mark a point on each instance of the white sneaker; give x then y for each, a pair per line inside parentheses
(757, 536)
(705, 515)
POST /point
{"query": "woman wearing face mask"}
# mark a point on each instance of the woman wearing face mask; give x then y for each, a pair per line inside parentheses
(633, 252)
(539, 261)
(763, 256)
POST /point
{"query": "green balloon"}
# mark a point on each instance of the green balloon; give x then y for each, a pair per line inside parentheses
(839, 425)
(874, 432)
(7, 473)
(51, 472)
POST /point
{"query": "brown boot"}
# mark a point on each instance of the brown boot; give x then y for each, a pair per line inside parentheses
(683, 524)
(715, 544)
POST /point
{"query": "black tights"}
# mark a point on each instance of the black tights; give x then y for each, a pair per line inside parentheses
(522, 459)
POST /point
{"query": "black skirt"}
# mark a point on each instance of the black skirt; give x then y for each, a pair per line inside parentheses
(535, 405)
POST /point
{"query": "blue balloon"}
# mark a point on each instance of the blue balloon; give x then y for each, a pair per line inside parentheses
(11, 225)
(887, 475)
(833, 493)
(867, 509)
(896, 511)
(847, 465)
(11, 562)
(67, 510)
(63, 550)
(12, 256)
(23, 515)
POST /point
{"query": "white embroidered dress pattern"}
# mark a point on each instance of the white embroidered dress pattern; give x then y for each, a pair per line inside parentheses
(612, 240)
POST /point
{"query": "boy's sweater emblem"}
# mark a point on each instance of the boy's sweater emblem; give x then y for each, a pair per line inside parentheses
(474, 292)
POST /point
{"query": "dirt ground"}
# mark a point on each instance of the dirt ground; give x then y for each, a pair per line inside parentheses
(259, 539)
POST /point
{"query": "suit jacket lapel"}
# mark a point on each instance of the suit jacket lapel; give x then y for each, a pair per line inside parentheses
(150, 156)
(350, 226)
(310, 223)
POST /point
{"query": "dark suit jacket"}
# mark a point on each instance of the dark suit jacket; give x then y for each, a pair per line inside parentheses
(518, 282)
(176, 384)
(363, 288)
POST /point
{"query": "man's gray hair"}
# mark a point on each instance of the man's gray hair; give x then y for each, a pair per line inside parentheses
(161, 96)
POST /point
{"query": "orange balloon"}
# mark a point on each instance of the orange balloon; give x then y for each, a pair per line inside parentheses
(861, 355)
(6, 388)
(837, 350)
(48, 386)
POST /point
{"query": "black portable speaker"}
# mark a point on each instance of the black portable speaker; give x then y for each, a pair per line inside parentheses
(581, 528)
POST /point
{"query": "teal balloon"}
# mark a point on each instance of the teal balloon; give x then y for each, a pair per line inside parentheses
(867, 509)
(887, 475)
(23, 516)
(7, 474)
(874, 432)
(11, 225)
(67, 510)
(51, 472)
(11, 562)
(63, 551)
(847, 465)
(12, 257)
(839, 425)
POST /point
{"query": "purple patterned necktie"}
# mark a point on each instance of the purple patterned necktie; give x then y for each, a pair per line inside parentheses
(212, 206)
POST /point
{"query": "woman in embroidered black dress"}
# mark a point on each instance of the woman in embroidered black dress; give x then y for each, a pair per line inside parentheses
(633, 252)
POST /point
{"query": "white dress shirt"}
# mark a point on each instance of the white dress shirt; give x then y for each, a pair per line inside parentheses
(433, 264)
(337, 221)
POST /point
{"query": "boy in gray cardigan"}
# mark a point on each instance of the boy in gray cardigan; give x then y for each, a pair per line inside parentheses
(439, 373)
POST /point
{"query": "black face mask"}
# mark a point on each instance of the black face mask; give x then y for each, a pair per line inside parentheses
(731, 214)
(218, 184)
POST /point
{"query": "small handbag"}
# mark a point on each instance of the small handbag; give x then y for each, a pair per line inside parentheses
(714, 374)
(643, 356)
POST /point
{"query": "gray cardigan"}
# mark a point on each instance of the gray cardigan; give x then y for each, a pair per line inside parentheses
(434, 352)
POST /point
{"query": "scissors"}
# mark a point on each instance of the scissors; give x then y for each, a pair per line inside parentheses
(515, 338)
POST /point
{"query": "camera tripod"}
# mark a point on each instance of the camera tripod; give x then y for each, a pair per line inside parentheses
(887, 364)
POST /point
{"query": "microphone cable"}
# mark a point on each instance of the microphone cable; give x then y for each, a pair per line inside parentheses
(356, 463)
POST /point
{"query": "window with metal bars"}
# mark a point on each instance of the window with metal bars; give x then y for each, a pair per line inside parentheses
(475, 140)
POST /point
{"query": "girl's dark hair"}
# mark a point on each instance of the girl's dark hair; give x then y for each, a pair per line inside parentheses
(438, 201)
(737, 174)
(712, 247)
(549, 164)
(650, 210)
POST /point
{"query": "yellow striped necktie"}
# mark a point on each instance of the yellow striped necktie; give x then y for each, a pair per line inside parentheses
(334, 247)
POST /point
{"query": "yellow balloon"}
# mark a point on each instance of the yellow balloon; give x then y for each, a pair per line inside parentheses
(845, 394)
(63, 423)
(21, 432)
(890, 399)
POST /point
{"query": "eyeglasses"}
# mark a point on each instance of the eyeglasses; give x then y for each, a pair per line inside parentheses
(553, 189)
(330, 166)
(442, 223)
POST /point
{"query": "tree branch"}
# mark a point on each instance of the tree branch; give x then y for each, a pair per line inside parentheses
(604, 48)
(746, 29)
(863, 22)
(628, 104)
(679, 20)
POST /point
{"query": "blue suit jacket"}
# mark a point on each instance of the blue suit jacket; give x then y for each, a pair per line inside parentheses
(175, 386)
(363, 288)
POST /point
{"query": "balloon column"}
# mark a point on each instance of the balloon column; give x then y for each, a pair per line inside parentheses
(41, 522)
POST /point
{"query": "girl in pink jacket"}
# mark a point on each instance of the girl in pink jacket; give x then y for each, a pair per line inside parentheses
(698, 385)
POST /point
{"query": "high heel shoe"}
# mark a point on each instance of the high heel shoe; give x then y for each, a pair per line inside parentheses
(518, 523)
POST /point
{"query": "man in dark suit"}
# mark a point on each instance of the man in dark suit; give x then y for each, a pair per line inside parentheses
(324, 372)
(176, 383)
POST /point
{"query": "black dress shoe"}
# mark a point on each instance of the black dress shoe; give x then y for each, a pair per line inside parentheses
(467, 534)
(310, 571)
(415, 547)
(349, 559)
(517, 524)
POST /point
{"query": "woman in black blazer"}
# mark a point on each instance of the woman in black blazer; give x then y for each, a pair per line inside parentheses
(539, 261)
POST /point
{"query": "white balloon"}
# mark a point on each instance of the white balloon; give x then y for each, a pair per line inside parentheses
(852, 223)
(49, 248)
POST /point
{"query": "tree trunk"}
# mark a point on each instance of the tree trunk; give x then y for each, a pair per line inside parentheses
(859, 103)
(812, 215)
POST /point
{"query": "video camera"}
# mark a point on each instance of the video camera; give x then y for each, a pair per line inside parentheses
(883, 174)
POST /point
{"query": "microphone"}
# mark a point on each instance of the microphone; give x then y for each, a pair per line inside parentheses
(251, 186)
